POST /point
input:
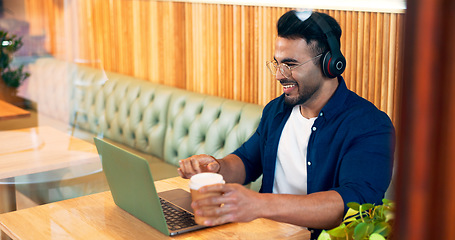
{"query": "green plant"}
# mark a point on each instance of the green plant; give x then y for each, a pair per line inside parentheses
(9, 45)
(365, 221)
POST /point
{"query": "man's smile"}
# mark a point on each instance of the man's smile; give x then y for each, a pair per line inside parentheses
(287, 88)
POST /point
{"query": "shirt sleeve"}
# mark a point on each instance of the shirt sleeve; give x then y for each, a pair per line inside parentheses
(366, 166)
(250, 154)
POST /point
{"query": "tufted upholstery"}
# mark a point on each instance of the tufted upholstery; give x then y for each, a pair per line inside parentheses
(200, 124)
(122, 108)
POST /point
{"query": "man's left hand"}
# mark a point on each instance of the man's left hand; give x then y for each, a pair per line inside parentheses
(237, 204)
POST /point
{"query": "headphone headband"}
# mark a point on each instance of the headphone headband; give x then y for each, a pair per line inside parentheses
(333, 62)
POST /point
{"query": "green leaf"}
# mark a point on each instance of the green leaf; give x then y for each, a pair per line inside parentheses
(349, 220)
(353, 224)
(14, 78)
(376, 236)
(382, 228)
(324, 236)
(339, 231)
(351, 212)
(362, 230)
(354, 206)
(367, 206)
(350, 216)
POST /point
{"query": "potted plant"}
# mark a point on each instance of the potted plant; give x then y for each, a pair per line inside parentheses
(11, 78)
(365, 221)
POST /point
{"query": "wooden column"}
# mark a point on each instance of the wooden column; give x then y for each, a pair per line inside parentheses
(426, 137)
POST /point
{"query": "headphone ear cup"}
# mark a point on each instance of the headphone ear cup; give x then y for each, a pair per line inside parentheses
(325, 64)
(337, 64)
(333, 66)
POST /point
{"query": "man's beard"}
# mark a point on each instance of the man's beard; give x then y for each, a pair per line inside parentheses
(303, 96)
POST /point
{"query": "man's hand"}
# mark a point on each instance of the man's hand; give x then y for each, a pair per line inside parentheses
(197, 164)
(238, 204)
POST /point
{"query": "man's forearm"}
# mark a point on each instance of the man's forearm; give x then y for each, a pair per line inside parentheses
(322, 210)
(232, 169)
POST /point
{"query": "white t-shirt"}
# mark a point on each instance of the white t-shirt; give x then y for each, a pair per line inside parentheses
(291, 162)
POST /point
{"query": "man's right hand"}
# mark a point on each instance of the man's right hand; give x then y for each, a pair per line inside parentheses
(197, 164)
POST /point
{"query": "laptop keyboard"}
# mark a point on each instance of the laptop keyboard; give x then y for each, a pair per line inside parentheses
(176, 218)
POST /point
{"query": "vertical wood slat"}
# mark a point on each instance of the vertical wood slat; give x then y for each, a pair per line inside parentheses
(378, 59)
(362, 62)
(212, 48)
(154, 51)
(385, 69)
(372, 58)
(391, 66)
(399, 58)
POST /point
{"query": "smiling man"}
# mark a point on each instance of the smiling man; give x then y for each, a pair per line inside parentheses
(318, 146)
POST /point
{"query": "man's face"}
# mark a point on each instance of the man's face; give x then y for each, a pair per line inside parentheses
(304, 84)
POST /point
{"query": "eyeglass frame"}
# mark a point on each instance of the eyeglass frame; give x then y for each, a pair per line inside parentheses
(277, 66)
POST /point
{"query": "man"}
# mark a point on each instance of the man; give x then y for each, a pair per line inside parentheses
(318, 145)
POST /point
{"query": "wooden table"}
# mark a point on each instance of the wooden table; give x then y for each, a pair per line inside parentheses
(9, 111)
(35, 151)
(97, 217)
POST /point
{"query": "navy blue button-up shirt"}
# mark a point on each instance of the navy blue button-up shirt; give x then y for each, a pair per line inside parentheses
(350, 149)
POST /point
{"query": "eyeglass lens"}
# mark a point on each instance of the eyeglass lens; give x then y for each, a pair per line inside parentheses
(284, 69)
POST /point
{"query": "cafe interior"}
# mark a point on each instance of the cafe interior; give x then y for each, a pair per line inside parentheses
(168, 79)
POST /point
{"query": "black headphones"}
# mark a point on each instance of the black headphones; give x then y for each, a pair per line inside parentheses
(333, 62)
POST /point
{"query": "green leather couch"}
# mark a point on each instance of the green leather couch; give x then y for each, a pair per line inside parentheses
(164, 124)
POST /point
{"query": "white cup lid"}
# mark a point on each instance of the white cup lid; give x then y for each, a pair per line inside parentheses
(203, 179)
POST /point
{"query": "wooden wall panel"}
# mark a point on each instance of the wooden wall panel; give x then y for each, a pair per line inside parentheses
(212, 48)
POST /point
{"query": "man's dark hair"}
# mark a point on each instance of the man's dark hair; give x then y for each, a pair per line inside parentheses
(290, 26)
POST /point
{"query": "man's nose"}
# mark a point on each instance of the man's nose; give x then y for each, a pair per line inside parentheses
(279, 75)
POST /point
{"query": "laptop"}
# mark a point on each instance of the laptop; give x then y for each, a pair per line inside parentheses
(133, 189)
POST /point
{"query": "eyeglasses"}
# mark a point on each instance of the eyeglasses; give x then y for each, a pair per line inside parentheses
(285, 70)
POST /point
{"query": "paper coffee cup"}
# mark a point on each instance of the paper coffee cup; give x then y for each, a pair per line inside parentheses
(200, 180)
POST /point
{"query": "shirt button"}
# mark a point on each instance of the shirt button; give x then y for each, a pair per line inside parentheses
(314, 129)
(309, 163)
(320, 114)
